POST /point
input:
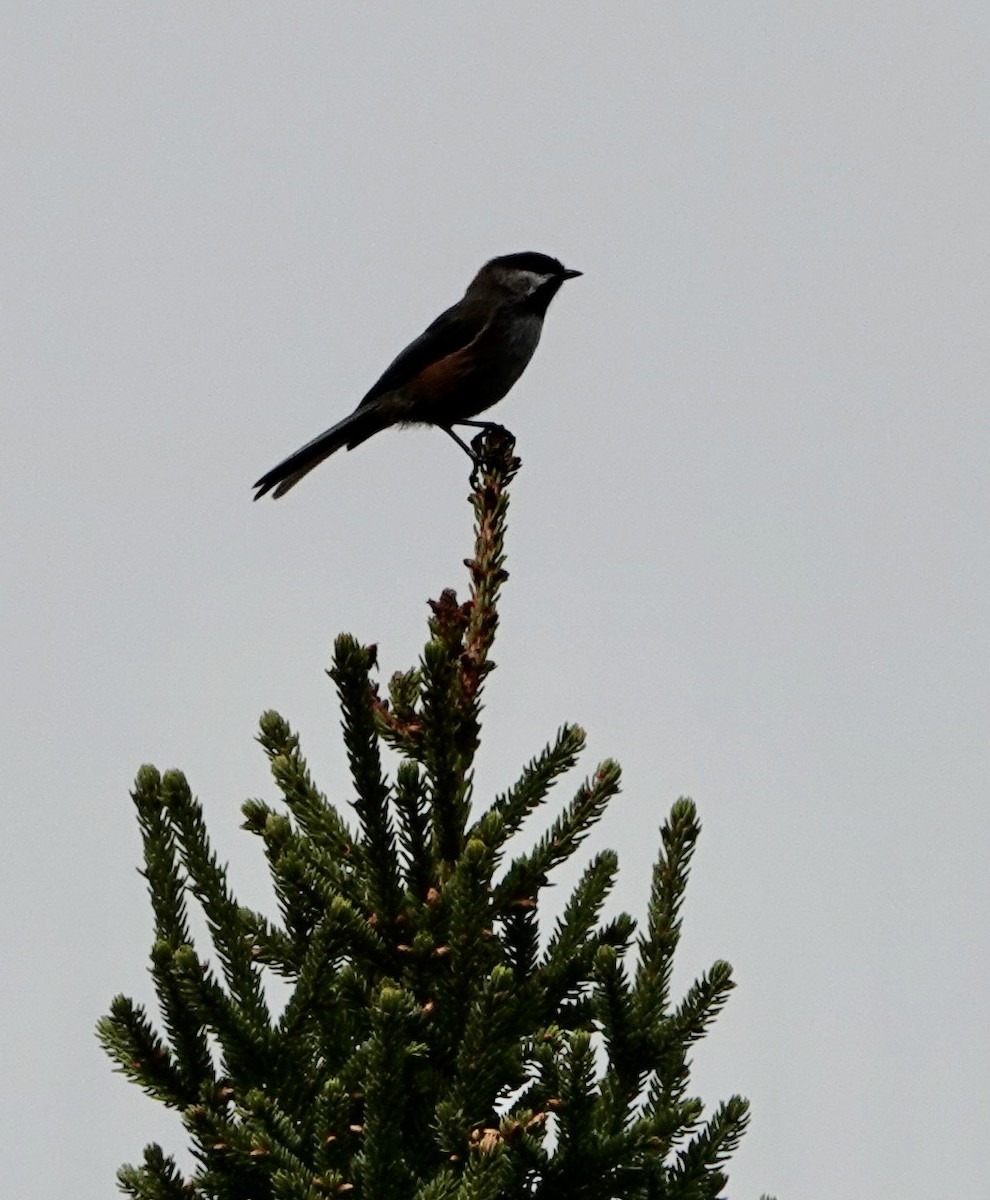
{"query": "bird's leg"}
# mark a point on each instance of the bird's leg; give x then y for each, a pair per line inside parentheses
(463, 445)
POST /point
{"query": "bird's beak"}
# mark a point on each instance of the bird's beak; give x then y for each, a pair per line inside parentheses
(569, 274)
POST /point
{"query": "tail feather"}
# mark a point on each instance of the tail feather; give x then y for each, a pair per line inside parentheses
(351, 432)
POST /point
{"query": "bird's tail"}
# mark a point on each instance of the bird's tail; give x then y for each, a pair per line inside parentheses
(350, 432)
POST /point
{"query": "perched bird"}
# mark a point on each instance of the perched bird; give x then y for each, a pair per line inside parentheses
(465, 362)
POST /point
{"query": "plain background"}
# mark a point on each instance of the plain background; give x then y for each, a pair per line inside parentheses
(748, 545)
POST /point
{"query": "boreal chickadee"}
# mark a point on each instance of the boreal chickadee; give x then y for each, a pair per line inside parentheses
(465, 362)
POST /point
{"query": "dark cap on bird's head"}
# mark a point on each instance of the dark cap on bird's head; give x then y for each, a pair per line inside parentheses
(537, 264)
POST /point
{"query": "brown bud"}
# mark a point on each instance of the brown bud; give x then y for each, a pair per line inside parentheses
(490, 1139)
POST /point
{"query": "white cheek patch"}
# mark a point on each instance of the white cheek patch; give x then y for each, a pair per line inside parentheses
(529, 281)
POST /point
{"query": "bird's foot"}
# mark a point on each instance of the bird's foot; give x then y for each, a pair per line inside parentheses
(492, 451)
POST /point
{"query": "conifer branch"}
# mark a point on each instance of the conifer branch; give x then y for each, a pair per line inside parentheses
(485, 1175)
(490, 501)
(341, 935)
(509, 811)
(303, 874)
(488, 1064)
(471, 948)
(243, 1039)
(521, 938)
(316, 816)
(678, 836)
(351, 674)
(166, 885)
(157, 1179)
(208, 881)
(271, 947)
(528, 874)
(382, 1166)
(623, 1039)
(413, 812)
(581, 914)
(141, 1054)
(576, 1112)
(448, 745)
(704, 1001)
(711, 1146)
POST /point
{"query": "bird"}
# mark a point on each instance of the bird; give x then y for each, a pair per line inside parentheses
(461, 365)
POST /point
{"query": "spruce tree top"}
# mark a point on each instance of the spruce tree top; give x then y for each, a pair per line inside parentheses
(431, 1041)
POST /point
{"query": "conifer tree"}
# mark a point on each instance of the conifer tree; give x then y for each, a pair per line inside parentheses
(433, 1045)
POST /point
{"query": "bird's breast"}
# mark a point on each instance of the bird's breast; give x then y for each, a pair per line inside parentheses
(500, 355)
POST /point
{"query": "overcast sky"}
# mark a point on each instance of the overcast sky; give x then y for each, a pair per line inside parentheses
(748, 546)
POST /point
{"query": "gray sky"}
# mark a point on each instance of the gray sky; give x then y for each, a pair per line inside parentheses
(748, 546)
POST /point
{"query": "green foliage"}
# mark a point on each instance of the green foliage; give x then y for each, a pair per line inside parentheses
(432, 1045)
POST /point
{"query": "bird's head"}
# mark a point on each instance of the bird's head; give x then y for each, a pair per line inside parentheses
(529, 278)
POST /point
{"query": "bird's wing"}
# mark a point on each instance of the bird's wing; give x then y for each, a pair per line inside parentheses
(450, 332)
